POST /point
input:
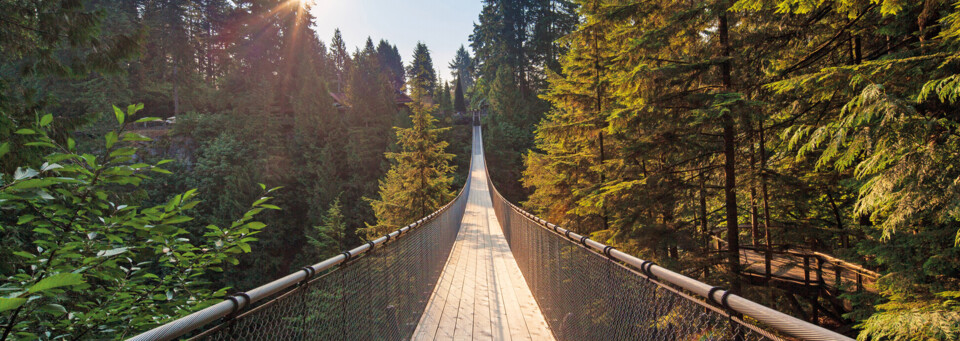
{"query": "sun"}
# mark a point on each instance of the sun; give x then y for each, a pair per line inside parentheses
(305, 3)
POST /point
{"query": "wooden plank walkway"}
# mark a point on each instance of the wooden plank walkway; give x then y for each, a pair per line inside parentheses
(481, 294)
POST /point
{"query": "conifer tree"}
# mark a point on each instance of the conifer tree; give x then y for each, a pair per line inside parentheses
(520, 36)
(55, 42)
(327, 238)
(423, 77)
(459, 102)
(391, 61)
(462, 67)
(341, 59)
(444, 100)
(371, 113)
(573, 134)
(419, 178)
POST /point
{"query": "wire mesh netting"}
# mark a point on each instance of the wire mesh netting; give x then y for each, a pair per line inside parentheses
(378, 295)
(586, 296)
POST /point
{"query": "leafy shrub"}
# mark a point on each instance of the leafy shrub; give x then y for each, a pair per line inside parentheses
(79, 263)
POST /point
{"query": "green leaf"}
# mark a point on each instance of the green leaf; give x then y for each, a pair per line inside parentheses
(33, 183)
(25, 219)
(50, 166)
(111, 138)
(54, 309)
(56, 281)
(43, 231)
(71, 143)
(113, 252)
(21, 174)
(4, 148)
(119, 114)
(148, 119)
(39, 144)
(135, 137)
(272, 207)
(177, 220)
(25, 131)
(256, 225)
(46, 120)
(11, 303)
(24, 254)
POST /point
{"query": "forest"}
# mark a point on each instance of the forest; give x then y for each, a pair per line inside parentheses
(156, 155)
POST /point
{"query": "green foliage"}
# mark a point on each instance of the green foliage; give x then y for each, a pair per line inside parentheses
(462, 68)
(516, 45)
(423, 77)
(459, 101)
(328, 238)
(390, 61)
(444, 100)
(418, 181)
(61, 57)
(81, 262)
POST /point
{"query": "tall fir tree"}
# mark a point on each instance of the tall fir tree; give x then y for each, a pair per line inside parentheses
(462, 67)
(459, 102)
(341, 60)
(423, 77)
(419, 178)
(391, 62)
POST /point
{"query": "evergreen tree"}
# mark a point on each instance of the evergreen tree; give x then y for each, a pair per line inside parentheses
(51, 52)
(327, 238)
(462, 67)
(371, 113)
(391, 62)
(459, 102)
(522, 37)
(573, 135)
(341, 59)
(423, 78)
(419, 178)
(444, 100)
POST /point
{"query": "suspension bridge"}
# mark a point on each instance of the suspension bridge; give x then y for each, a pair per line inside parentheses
(481, 268)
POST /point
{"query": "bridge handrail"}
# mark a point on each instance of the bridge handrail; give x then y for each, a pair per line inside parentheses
(779, 321)
(857, 268)
(237, 303)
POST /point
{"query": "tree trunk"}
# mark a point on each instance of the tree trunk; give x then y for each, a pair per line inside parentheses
(704, 226)
(176, 91)
(754, 216)
(730, 165)
(766, 204)
(600, 121)
(844, 241)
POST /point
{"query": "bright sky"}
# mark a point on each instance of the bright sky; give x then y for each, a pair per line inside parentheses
(441, 24)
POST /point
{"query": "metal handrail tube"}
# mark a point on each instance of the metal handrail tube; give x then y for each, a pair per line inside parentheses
(186, 324)
(779, 321)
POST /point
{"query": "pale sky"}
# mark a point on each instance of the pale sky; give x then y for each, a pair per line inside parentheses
(441, 24)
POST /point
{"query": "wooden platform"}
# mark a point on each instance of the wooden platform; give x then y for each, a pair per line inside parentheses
(481, 294)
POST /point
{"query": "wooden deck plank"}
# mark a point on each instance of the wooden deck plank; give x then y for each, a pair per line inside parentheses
(482, 294)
